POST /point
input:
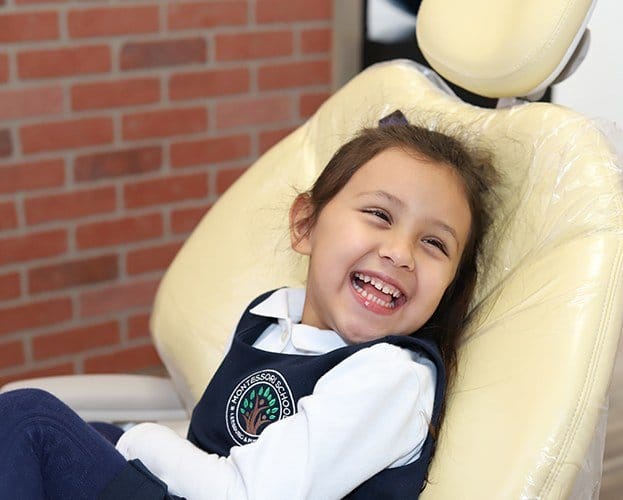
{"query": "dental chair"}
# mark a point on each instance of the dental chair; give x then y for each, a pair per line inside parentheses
(526, 418)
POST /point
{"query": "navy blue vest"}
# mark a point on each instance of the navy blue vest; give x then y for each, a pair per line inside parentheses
(253, 388)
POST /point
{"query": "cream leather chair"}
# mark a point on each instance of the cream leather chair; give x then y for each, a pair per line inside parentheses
(527, 416)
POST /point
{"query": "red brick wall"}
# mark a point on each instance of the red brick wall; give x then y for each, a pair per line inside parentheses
(120, 124)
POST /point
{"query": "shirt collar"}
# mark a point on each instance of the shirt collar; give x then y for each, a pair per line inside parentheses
(286, 305)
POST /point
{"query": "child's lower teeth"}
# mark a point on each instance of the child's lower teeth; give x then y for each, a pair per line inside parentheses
(372, 298)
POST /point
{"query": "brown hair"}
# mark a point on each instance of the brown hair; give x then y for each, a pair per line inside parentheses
(473, 166)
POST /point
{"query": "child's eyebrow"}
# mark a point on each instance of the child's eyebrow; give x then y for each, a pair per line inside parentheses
(385, 196)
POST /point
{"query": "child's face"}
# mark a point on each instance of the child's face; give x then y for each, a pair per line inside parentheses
(399, 224)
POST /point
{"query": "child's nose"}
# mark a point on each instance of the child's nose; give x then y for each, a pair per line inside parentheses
(399, 250)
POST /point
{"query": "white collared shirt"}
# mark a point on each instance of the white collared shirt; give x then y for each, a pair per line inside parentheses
(368, 413)
(288, 335)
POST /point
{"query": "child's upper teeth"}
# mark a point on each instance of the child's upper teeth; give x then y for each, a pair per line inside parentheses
(379, 285)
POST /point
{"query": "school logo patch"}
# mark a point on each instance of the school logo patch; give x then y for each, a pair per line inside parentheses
(257, 401)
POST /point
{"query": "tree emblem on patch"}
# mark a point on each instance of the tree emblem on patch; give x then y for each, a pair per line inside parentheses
(258, 409)
(257, 401)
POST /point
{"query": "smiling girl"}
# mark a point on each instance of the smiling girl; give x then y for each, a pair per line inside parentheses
(336, 390)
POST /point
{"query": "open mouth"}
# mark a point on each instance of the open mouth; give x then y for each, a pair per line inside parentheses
(374, 290)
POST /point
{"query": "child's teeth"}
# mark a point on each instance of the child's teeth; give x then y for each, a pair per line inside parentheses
(379, 285)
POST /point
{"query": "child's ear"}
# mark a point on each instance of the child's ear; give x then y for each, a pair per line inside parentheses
(300, 224)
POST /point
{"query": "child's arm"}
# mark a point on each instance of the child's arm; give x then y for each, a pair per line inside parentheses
(369, 412)
(187, 470)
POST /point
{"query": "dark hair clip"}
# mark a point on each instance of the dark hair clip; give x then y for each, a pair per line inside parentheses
(395, 118)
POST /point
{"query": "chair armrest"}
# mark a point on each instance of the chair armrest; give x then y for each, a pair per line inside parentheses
(112, 397)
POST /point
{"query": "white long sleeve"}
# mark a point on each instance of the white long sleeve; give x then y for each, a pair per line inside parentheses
(369, 412)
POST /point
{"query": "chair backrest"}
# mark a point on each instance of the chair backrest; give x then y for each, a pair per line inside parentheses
(535, 366)
(503, 48)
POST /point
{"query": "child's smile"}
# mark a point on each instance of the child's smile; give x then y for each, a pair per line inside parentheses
(385, 248)
(376, 294)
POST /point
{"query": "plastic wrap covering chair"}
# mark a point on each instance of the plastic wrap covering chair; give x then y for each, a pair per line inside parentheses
(526, 418)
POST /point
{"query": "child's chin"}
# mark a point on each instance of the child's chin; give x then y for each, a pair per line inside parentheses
(359, 336)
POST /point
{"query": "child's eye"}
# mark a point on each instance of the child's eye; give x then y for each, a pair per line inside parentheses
(437, 244)
(380, 213)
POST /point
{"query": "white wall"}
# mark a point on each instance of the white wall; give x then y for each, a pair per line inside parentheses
(596, 88)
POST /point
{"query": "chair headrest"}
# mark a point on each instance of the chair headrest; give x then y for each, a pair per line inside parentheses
(503, 48)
